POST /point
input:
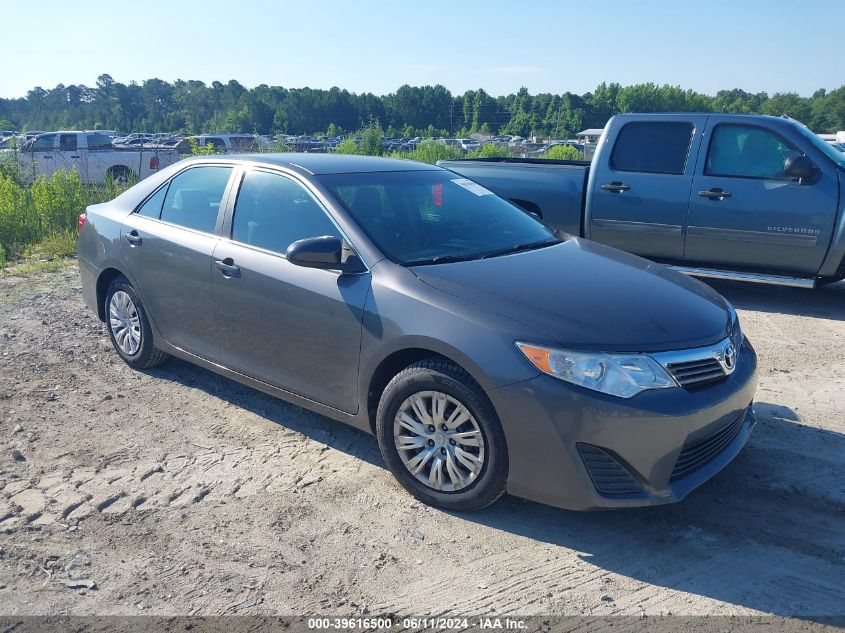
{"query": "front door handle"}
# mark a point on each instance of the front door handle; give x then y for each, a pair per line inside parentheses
(227, 267)
(714, 194)
(133, 238)
(616, 187)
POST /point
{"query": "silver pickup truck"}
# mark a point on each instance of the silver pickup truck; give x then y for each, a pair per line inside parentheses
(93, 156)
(753, 198)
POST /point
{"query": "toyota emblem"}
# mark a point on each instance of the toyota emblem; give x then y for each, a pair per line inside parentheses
(730, 356)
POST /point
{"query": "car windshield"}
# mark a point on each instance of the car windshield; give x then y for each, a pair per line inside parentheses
(431, 217)
(828, 149)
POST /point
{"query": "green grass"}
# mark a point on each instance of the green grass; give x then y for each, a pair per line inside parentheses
(39, 216)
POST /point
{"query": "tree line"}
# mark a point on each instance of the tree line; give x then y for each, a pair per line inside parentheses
(193, 107)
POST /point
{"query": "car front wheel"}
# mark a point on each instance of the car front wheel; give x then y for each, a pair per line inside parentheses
(129, 328)
(441, 438)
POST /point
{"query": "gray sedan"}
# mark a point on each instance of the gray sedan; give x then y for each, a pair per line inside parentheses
(484, 351)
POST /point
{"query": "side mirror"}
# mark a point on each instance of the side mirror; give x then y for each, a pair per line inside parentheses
(327, 252)
(800, 167)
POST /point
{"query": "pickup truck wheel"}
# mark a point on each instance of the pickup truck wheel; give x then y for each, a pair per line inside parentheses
(120, 175)
(129, 328)
(441, 437)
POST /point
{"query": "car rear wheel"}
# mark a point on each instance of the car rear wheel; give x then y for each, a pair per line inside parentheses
(441, 438)
(129, 328)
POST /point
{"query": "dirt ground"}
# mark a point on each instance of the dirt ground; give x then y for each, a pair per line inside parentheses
(176, 491)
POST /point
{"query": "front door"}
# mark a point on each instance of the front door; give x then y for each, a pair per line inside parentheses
(167, 244)
(292, 327)
(745, 213)
(43, 153)
(639, 191)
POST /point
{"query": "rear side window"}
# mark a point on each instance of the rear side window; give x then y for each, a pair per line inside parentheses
(67, 142)
(747, 151)
(659, 147)
(274, 211)
(194, 197)
(99, 141)
(152, 207)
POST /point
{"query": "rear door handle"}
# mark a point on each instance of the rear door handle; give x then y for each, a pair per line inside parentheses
(714, 194)
(133, 238)
(227, 267)
(617, 187)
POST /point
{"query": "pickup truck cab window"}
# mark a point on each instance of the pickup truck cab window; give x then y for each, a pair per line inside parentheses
(44, 143)
(99, 141)
(747, 151)
(273, 211)
(194, 197)
(67, 142)
(659, 147)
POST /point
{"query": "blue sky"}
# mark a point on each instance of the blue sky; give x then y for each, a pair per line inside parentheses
(366, 45)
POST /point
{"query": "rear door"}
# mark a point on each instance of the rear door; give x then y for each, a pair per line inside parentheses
(292, 327)
(639, 188)
(745, 213)
(167, 244)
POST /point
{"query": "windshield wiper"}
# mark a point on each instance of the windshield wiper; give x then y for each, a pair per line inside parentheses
(518, 248)
(446, 259)
(440, 259)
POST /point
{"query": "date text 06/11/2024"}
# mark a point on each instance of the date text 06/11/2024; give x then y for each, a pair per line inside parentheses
(386, 623)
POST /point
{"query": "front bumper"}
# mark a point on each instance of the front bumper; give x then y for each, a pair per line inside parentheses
(545, 420)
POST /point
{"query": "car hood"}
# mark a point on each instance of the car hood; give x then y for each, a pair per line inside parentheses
(583, 295)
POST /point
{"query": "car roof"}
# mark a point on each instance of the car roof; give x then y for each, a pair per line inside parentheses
(316, 164)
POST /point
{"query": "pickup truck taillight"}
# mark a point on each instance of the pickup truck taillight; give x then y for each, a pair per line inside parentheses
(83, 217)
(154, 162)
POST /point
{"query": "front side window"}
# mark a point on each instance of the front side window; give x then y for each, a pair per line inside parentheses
(44, 143)
(747, 151)
(273, 211)
(194, 197)
(654, 147)
(435, 216)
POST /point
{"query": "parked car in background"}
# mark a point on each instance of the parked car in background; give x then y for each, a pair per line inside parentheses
(220, 143)
(92, 155)
(468, 145)
(752, 198)
(417, 305)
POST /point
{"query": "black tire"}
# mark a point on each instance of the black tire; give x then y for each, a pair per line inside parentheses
(121, 175)
(146, 355)
(443, 376)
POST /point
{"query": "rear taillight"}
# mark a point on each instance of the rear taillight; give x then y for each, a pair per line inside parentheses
(83, 217)
(154, 162)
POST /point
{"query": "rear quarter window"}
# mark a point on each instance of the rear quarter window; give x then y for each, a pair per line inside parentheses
(655, 147)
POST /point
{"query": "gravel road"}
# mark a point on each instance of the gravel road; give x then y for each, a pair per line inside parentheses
(176, 491)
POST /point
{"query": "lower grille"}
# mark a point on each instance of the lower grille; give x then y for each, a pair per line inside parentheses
(697, 372)
(705, 450)
(608, 475)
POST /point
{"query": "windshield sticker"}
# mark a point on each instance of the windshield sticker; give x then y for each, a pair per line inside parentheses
(474, 187)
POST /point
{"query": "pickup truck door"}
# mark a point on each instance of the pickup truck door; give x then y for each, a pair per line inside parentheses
(70, 155)
(639, 184)
(745, 213)
(43, 152)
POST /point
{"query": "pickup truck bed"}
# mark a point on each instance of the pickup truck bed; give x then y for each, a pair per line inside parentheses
(753, 198)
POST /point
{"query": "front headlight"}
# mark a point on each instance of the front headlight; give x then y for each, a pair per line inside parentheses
(623, 375)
